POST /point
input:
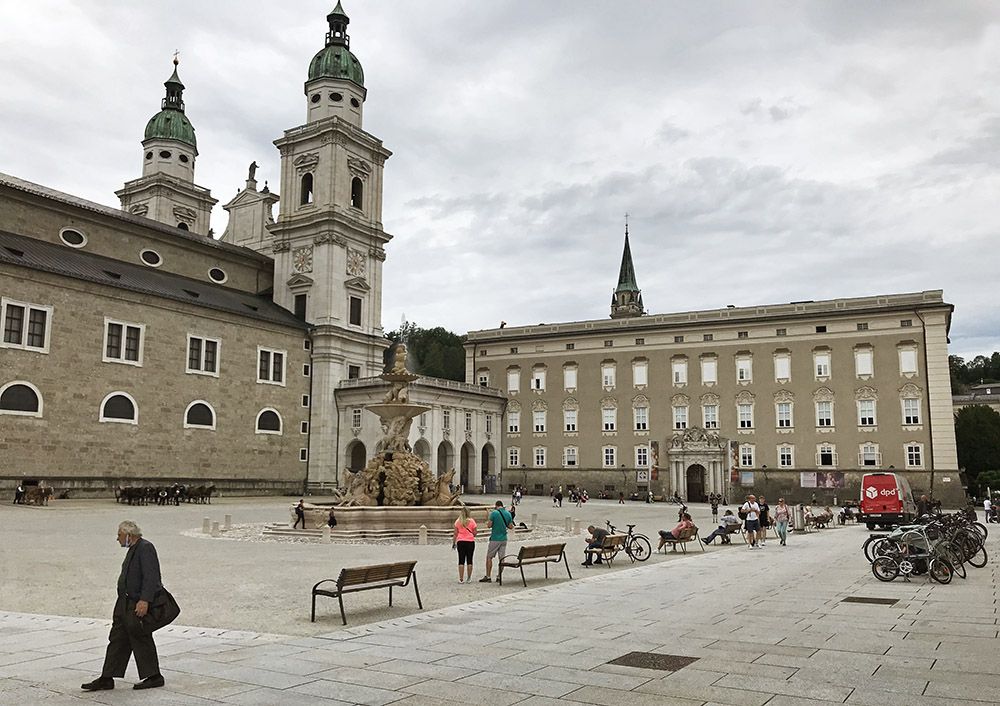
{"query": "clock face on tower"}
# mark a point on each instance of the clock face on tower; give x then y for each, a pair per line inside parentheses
(355, 263)
(302, 259)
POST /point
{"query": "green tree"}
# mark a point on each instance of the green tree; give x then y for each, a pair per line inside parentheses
(977, 433)
(434, 352)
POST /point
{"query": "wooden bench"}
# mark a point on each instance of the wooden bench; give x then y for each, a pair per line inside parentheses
(612, 544)
(735, 528)
(687, 535)
(537, 554)
(819, 521)
(367, 578)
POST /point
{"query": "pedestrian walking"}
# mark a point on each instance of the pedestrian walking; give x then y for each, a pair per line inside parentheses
(300, 515)
(464, 540)
(19, 496)
(499, 522)
(621, 498)
(782, 515)
(138, 586)
(765, 521)
(749, 512)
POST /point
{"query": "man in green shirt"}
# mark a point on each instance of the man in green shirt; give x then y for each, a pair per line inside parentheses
(499, 522)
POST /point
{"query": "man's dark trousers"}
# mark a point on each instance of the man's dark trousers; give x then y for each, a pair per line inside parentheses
(127, 637)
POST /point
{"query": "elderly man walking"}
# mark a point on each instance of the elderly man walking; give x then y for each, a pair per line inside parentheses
(138, 584)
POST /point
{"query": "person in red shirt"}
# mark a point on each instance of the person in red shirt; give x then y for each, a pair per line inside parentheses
(675, 533)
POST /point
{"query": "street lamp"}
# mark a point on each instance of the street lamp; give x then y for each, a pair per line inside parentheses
(625, 478)
(524, 477)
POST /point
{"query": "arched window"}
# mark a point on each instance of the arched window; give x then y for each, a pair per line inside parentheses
(268, 421)
(357, 192)
(20, 398)
(199, 415)
(306, 189)
(119, 407)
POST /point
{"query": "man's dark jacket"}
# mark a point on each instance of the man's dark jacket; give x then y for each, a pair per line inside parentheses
(140, 577)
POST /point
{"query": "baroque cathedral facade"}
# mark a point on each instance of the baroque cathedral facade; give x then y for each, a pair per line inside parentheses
(137, 348)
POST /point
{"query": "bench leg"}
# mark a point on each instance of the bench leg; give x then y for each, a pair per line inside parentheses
(546, 565)
(566, 563)
(500, 574)
(343, 615)
(684, 549)
(416, 590)
(523, 580)
(312, 617)
(390, 596)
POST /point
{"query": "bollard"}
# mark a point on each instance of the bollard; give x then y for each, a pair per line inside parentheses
(576, 526)
(799, 518)
(206, 525)
(569, 524)
(215, 529)
(534, 519)
(422, 535)
(228, 524)
(326, 534)
(835, 503)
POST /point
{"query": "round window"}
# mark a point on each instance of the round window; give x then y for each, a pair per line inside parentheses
(218, 275)
(151, 258)
(149, 155)
(315, 98)
(183, 158)
(355, 103)
(336, 97)
(164, 155)
(73, 238)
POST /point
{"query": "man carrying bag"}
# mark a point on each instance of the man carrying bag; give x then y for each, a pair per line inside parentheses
(143, 606)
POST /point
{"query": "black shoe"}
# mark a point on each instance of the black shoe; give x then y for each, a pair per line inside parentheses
(150, 682)
(586, 563)
(99, 684)
(485, 579)
(598, 562)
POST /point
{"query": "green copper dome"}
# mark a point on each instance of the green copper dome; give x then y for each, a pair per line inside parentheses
(171, 124)
(336, 61)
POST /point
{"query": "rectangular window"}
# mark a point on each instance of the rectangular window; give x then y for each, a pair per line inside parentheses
(642, 457)
(203, 355)
(569, 378)
(513, 422)
(446, 419)
(538, 421)
(569, 420)
(306, 345)
(609, 419)
(780, 332)
(744, 369)
(303, 454)
(785, 456)
(678, 339)
(866, 413)
(468, 421)
(745, 415)
(863, 363)
(355, 319)
(862, 327)
(539, 457)
(608, 374)
(640, 373)
(680, 371)
(609, 343)
(784, 414)
(826, 456)
(123, 342)
(303, 427)
(569, 456)
(305, 400)
(709, 371)
(26, 326)
(513, 350)
(914, 456)
(513, 457)
(489, 423)
(356, 418)
(907, 361)
(271, 366)
(911, 411)
(306, 370)
(641, 417)
(783, 367)
(821, 329)
(300, 306)
(742, 334)
(824, 414)
(906, 323)
(353, 372)
(680, 417)
(746, 456)
(710, 413)
(483, 379)
(822, 365)
(640, 341)
(570, 346)
(610, 456)
(513, 380)
(707, 337)
(538, 379)
(869, 455)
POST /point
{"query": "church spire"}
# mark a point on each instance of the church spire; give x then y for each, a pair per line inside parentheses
(338, 21)
(175, 90)
(627, 299)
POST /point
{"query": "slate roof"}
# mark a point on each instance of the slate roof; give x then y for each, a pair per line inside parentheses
(22, 251)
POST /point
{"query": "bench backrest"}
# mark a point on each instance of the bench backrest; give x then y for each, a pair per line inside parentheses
(538, 551)
(686, 534)
(359, 575)
(613, 540)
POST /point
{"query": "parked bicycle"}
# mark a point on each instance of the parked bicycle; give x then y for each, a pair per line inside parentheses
(939, 546)
(637, 545)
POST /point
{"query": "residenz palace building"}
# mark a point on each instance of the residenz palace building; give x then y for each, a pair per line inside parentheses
(138, 348)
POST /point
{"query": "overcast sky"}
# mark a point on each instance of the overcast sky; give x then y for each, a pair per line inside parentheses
(766, 151)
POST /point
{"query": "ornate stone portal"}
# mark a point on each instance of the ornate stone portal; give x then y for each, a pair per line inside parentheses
(699, 464)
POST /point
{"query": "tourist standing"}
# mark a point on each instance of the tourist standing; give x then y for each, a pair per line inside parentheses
(499, 522)
(987, 505)
(765, 521)
(750, 512)
(19, 497)
(782, 515)
(300, 515)
(714, 500)
(138, 584)
(331, 520)
(464, 540)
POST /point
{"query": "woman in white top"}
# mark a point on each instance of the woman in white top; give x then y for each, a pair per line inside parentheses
(782, 514)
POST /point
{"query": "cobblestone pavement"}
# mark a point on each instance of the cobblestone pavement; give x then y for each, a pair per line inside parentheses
(765, 627)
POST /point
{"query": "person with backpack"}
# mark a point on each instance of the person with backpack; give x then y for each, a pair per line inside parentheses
(750, 514)
(499, 522)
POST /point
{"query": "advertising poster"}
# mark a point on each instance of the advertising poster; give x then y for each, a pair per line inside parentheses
(746, 478)
(807, 479)
(829, 479)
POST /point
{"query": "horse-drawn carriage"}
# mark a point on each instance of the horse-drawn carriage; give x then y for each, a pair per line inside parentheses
(164, 495)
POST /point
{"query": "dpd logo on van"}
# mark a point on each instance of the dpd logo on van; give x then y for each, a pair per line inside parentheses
(871, 492)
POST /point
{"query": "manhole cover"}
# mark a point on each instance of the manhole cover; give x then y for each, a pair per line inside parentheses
(871, 601)
(654, 660)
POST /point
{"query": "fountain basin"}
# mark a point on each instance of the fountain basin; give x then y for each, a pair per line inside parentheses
(389, 521)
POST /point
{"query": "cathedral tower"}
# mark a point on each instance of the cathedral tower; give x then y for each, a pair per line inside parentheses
(328, 241)
(166, 191)
(627, 299)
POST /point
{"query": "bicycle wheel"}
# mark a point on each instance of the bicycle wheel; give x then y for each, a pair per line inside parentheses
(867, 548)
(979, 559)
(941, 570)
(640, 548)
(957, 563)
(885, 568)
